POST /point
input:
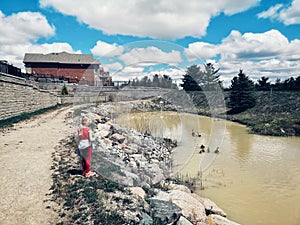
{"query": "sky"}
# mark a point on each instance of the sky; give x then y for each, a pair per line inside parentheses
(134, 38)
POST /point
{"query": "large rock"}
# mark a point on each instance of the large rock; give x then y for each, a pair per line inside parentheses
(191, 208)
(183, 221)
(210, 206)
(164, 212)
(220, 220)
(137, 191)
(103, 126)
(103, 133)
(118, 137)
(179, 187)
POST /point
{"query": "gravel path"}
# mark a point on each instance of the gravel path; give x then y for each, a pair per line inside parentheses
(25, 161)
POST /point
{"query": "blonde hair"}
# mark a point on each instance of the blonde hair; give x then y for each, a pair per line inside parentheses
(85, 120)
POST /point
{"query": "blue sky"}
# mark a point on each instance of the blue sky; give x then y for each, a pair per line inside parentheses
(138, 37)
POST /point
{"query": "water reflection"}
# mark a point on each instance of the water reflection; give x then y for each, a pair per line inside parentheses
(241, 142)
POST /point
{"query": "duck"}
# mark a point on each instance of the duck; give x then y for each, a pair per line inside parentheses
(217, 150)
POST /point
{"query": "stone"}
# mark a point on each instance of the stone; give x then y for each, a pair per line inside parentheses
(179, 187)
(210, 206)
(191, 207)
(164, 212)
(103, 133)
(118, 137)
(183, 221)
(146, 219)
(220, 220)
(103, 126)
(137, 191)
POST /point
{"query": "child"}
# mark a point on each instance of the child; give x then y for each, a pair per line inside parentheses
(85, 146)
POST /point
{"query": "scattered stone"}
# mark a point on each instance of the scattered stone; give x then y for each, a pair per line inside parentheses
(137, 191)
(183, 221)
(118, 137)
(164, 212)
(210, 206)
(220, 220)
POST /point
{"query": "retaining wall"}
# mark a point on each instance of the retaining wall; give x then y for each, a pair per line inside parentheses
(18, 97)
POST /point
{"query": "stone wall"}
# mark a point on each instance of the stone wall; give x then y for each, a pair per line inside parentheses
(18, 97)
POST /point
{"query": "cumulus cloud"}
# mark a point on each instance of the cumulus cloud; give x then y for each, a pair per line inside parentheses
(201, 50)
(258, 54)
(113, 66)
(23, 27)
(166, 19)
(104, 49)
(253, 45)
(20, 31)
(15, 53)
(150, 56)
(288, 14)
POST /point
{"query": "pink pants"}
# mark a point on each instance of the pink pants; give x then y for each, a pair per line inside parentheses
(86, 156)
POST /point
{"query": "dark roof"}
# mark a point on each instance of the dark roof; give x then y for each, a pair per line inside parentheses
(62, 57)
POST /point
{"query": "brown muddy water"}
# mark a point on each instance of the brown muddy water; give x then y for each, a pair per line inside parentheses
(254, 178)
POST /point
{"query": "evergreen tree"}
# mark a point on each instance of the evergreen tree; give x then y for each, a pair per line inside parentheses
(196, 79)
(241, 93)
(263, 84)
(156, 81)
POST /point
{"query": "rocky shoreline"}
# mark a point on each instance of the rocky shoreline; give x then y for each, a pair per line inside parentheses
(134, 182)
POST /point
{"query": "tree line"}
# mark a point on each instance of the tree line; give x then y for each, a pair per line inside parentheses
(241, 90)
(162, 81)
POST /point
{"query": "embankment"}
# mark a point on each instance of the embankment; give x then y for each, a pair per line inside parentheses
(133, 184)
(275, 113)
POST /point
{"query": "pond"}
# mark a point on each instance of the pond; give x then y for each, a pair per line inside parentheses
(254, 178)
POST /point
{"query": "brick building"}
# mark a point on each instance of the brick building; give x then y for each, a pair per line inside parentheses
(74, 68)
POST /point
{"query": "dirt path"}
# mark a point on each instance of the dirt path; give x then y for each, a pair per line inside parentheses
(25, 161)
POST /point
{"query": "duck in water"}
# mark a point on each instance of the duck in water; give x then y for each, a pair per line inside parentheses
(202, 149)
(217, 150)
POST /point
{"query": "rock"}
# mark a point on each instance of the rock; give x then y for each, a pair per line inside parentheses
(210, 206)
(146, 220)
(220, 220)
(118, 137)
(155, 173)
(115, 127)
(164, 212)
(191, 207)
(179, 187)
(137, 191)
(103, 133)
(103, 126)
(183, 221)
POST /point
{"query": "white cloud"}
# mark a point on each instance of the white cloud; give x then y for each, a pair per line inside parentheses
(133, 69)
(253, 45)
(272, 12)
(166, 19)
(289, 14)
(258, 54)
(15, 53)
(113, 66)
(151, 56)
(18, 35)
(23, 27)
(104, 49)
(200, 50)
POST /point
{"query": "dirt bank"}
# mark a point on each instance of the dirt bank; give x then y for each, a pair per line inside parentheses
(25, 161)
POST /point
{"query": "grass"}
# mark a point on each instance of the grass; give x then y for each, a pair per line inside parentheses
(274, 114)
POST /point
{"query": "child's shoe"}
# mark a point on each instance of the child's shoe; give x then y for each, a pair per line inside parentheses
(89, 174)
